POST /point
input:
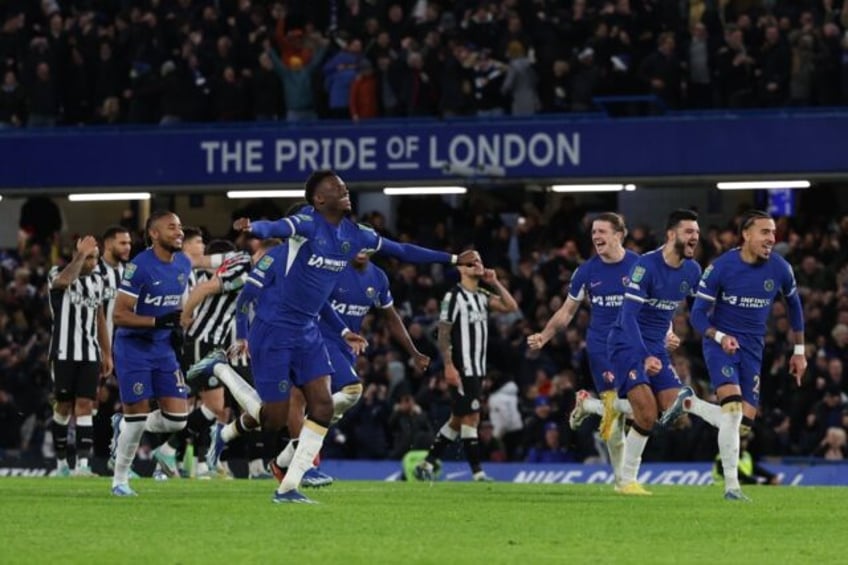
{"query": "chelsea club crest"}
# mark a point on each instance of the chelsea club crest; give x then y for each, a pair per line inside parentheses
(345, 247)
(768, 285)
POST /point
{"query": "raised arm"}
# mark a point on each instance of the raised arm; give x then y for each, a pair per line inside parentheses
(502, 300)
(85, 247)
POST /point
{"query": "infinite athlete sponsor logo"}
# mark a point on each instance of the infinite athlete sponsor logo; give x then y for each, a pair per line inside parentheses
(745, 301)
(326, 263)
(358, 310)
(609, 301)
(164, 301)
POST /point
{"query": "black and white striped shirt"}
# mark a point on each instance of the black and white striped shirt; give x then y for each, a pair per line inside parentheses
(111, 281)
(74, 311)
(214, 318)
(469, 313)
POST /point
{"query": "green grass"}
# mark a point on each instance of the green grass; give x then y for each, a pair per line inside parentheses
(78, 521)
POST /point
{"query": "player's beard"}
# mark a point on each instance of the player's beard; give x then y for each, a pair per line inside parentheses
(680, 248)
(172, 247)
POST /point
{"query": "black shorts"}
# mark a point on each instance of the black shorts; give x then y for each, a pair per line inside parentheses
(75, 379)
(469, 401)
(194, 351)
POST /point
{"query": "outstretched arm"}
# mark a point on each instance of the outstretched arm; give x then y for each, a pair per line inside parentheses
(559, 320)
(414, 253)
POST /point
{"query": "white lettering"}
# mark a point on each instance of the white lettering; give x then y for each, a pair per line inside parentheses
(210, 147)
(367, 152)
(344, 154)
(514, 150)
(394, 147)
(541, 159)
(285, 151)
(308, 152)
(454, 152)
(572, 149)
(231, 155)
(253, 151)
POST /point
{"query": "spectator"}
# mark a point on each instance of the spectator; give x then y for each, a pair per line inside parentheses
(363, 93)
(297, 84)
(339, 72)
(661, 71)
(12, 102)
(521, 82)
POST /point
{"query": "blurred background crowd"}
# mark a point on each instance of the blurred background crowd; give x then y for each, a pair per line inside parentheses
(71, 62)
(527, 395)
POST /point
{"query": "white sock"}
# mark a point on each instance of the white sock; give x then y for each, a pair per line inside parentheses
(309, 444)
(285, 457)
(615, 446)
(202, 468)
(244, 394)
(634, 445)
(256, 467)
(61, 463)
(593, 406)
(622, 405)
(707, 411)
(127, 445)
(344, 400)
(82, 463)
(728, 443)
(230, 432)
(159, 422)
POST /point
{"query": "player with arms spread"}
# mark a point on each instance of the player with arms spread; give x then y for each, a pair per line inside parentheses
(286, 346)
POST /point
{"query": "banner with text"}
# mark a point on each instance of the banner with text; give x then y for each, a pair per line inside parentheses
(694, 474)
(436, 151)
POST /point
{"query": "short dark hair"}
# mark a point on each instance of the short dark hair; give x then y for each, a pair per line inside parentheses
(749, 217)
(154, 217)
(614, 219)
(114, 230)
(680, 215)
(190, 232)
(316, 178)
(219, 246)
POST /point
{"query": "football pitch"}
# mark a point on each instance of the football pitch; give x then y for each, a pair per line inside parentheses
(75, 520)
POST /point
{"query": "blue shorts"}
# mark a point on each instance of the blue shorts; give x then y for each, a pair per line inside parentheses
(602, 371)
(743, 368)
(344, 365)
(147, 369)
(278, 363)
(629, 370)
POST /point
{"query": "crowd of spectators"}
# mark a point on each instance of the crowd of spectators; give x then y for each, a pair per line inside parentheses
(527, 395)
(168, 61)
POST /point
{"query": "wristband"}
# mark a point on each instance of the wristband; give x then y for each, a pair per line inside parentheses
(454, 259)
(345, 331)
(719, 336)
(216, 260)
(799, 350)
